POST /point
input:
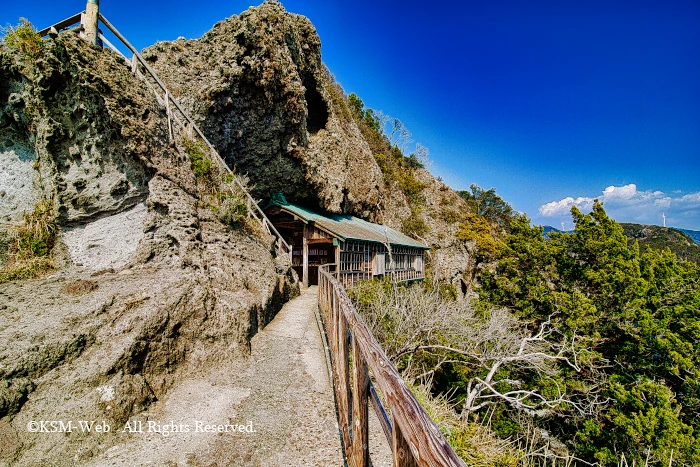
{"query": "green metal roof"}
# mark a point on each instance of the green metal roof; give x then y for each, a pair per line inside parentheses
(347, 227)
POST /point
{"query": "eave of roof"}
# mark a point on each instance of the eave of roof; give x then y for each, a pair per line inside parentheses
(347, 227)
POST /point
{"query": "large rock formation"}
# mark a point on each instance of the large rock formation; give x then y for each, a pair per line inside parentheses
(257, 86)
(121, 324)
(153, 287)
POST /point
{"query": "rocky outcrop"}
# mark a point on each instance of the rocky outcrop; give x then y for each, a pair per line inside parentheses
(85, 124)
(104, 339)
(155, 289)
(257, 86)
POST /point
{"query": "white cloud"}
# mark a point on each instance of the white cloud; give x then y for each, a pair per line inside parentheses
(557, 207)
(562, 208)
(691, 198)
(620, 192)
(664, 202)
(628, 204)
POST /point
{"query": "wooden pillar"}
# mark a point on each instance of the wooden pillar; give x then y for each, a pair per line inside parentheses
(360, 395)
(90, 18)
(401, 451)
(343, 388)
(305, 259)
(337, 262)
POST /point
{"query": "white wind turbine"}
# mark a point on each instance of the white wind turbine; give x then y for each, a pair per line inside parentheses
(664, 216)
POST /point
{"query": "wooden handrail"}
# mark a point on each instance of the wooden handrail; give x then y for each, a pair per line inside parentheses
(260, 215)
(414, 438)
(66, 23)
(167, 98)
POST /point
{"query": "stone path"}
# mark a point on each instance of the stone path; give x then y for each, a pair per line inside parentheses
(291, 401)
(282, 390)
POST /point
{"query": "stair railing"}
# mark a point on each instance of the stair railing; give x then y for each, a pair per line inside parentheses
(176, 115)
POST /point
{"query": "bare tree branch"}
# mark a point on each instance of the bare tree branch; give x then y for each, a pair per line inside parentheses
(422, 328)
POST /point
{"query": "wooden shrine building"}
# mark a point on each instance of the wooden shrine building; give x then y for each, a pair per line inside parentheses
(358, 246)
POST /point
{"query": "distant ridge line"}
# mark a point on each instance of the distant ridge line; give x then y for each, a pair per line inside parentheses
(693, 234)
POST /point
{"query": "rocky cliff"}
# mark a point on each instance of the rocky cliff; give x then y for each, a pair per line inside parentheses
(150, 285)
(257, 85)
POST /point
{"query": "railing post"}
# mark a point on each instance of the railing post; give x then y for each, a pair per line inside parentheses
(401, 452)
(167, 111)
(90, 19)
(343, 377)
(360, 393)
(413, 437)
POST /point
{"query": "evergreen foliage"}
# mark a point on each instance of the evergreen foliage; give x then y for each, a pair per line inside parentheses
(488, 205)
(397, 168)
(638, 312)
(588, 345)
(661, 238)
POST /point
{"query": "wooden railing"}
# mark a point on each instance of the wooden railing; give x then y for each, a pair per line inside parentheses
(414, 438)
(351, 278)
(178, 119)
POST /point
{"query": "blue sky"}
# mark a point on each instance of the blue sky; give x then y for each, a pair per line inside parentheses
(552, 103)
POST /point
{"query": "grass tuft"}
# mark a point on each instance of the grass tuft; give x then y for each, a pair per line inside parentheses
(198, 153)
(28, 245)
(229, 203)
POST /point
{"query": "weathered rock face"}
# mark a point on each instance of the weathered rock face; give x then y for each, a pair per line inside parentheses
(86, 124)
(105, 340)
(257, 86)
(18, 179)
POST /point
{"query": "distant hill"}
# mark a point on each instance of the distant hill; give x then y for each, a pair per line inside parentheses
(659, 238)
(549, 229)
(694, 234)
(684, 243)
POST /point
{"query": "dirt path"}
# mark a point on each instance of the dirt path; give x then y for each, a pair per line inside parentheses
(281, 392)
(291, 399)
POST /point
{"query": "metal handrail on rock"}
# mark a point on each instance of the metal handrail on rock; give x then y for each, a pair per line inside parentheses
(141, 69)
(414, 438)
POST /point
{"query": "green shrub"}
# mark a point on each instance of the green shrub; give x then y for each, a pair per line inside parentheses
(411, 187)
(414, 224)
(201, 164)
(22, 39)
(397, 169)
(384, 166)
(448, 215)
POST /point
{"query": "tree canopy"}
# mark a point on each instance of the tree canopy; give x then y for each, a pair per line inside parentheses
(638, 312)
